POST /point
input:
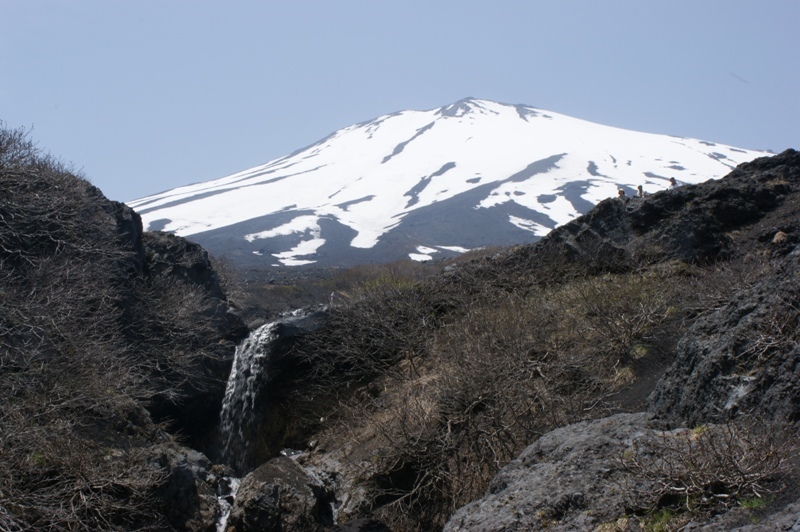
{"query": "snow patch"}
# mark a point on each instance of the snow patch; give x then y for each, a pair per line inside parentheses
(301, 224)
(457, 249)
(529, 225)
(423, 254)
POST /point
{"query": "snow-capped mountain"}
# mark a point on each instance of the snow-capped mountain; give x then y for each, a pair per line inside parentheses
(428, 184)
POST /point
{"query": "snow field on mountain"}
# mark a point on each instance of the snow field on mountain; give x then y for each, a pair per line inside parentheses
(369, 176)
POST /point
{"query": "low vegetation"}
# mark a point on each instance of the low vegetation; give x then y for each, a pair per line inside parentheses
(694, 474)
(455, 378)
(88, 342)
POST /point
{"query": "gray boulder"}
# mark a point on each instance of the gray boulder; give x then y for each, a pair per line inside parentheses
(280, 496)
(570, 479)
(188, 495)
(741, 359)
(743, 520)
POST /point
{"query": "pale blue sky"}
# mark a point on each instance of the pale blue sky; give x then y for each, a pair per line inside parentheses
(147, 95)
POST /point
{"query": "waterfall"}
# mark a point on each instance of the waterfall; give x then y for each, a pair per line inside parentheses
(245, 407)
(225, 497)
(247, 423)
(238, 407)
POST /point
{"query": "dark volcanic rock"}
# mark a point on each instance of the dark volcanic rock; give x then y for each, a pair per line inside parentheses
(278, 496)
(129, 231)
(742, 358)
(170, 255)
(362, 525)
(188, 494)
(743, 520)
(176, 260)
(570, 479)
(692, 223)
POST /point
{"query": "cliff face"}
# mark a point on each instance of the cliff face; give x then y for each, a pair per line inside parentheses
(105, 331)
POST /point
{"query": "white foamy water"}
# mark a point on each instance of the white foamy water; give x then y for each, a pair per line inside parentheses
(226, 502)
(238, 406)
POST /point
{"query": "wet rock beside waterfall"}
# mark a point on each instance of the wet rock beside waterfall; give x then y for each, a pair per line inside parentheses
(280, 495)
(188, 492)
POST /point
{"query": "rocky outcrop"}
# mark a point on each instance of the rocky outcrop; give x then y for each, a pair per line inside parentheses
(188, 495)
(692, 223)
(742, 355)
(109, 337)
(128, 228)
(172, 260)
(741, 359)
(570, 479)
(280, 495)
(173, 256)
(586, 476)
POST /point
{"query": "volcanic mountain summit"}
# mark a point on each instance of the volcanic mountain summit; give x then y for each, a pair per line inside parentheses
(428, 184)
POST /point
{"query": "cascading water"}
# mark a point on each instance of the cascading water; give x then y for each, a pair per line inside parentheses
(245, 405)
(238, 407)
(226, 497)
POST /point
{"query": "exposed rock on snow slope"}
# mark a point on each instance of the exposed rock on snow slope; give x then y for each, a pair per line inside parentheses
(427, 184)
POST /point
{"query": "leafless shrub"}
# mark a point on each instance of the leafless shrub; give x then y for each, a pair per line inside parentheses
(360, 281)
(456, 377)
(75, 369)
(497, 370)
(708, 469)
(19, 151)
(623, 310)
(385, 320)
(777, 332)
(714, 285)
(52, 478)
(230, 279)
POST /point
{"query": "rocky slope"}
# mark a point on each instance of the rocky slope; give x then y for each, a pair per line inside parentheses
(714, 264)
(113, 342)
(737, 361)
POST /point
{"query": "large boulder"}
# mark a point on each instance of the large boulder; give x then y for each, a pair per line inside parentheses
(188, 494)
(570, 479)
(279, 496)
